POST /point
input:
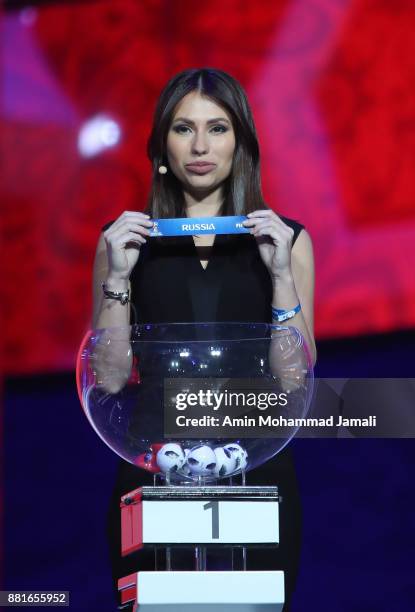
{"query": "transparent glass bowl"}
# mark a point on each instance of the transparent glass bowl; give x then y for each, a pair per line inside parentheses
(121, 378)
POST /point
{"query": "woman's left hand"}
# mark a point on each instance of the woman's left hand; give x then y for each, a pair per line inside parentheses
(274, 239)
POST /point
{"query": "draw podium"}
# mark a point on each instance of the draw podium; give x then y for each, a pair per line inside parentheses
(236, 517)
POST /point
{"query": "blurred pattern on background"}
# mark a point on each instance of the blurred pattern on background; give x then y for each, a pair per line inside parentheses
(331, 86)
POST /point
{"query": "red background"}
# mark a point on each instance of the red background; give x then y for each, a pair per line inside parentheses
(331, 87)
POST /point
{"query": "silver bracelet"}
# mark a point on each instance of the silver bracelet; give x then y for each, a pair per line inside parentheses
(121, 296)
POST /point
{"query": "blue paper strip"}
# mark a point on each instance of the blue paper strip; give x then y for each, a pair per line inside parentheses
(198, 225)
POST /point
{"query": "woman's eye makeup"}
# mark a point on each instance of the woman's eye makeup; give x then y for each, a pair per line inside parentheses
(222, 128)
(182, 128)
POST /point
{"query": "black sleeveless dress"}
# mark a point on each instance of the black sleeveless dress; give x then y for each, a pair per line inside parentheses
(169, 285)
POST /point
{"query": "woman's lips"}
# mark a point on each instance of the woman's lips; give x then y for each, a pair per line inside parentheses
(200, 168)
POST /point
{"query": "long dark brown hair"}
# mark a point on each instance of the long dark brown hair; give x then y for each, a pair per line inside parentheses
(242, 189)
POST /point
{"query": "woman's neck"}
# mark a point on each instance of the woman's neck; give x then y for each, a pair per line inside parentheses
(206, 207)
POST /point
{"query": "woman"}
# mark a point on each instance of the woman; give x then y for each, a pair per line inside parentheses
(205, 157)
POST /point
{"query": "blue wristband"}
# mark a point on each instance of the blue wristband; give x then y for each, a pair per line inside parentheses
(283, 315)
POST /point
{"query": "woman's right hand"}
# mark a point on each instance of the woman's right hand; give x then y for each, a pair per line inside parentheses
(123, 240)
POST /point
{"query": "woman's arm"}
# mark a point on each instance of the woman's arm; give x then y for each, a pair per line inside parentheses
(291, 269)
(289, 289)
(297, 286)
(107, 313)
(112, 358)
(117, 253)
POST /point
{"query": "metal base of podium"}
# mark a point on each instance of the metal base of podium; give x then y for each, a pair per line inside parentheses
(203, 591)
